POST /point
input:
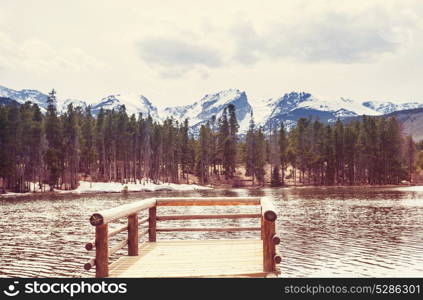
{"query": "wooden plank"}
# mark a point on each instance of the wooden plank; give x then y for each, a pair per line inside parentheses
(201, 217)
(208, 201)
(206, 258)
(218, 229)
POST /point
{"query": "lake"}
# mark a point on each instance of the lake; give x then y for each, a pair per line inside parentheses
(325, 232)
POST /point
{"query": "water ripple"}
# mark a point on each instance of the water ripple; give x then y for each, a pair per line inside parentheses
(328, 232)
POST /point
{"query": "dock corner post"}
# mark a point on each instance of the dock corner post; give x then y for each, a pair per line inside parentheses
(269, 217)
(101, 251)
(152, 223)
(133, 235)
(269, 249)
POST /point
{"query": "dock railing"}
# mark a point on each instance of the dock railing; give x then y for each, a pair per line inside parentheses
(137, 228)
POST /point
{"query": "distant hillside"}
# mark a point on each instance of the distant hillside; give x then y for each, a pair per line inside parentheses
(412, 121)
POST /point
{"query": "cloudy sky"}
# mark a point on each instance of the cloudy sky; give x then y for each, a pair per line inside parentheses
(175, 52)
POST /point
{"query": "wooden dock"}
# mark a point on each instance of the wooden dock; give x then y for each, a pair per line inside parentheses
(185, 258)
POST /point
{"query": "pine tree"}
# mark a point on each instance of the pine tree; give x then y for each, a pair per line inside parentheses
(283, 148)
(71, 148)
(249, 150)
(259, 156)
(350, 149)
(223, 136)
(410, 155)
(100, 145)
(54, 154)
(276, 177)
(185, 153)
(394, 152)
(3, 147)
(329, 156)
(203, 160)
(339, 151)
(39, 147)
(88, 152)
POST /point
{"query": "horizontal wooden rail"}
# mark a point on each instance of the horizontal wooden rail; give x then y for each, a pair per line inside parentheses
(210, 229)
(144, 227)
(117, 247)
(276, 240)
(143, 221)
(143, 233)
(112, 214)
(90, 264)
(117, 231)
(223, 201)
(277, 258)
(201, 217)
(91, 245)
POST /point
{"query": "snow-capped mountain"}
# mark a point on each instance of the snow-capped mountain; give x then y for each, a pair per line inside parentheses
(24, 96)
(287, 108)
(210, 105)
(134, 104)
(75, 103)
(389, 107)
(38, 98)
(292, 106)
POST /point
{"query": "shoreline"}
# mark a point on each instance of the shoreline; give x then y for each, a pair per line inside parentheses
(86, 187)
(111, 188)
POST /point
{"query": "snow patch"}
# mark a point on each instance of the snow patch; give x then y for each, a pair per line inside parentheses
(116, 187)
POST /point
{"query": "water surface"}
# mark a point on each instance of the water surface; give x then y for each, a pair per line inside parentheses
(325, 232)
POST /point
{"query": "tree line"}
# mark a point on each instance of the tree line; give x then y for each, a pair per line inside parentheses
(49, 150)
(370, 150)
(54, 151)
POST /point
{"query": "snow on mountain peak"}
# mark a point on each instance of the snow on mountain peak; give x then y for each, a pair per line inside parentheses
(134, 104)
(387, 107)
(287, 108)
(24, 96)
(213, 105)
(295, 100)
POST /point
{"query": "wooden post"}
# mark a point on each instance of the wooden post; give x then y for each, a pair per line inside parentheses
(133, 235)
(262, 227)
(269, 217)
(269, 249)
(101, 251)
(152, 212)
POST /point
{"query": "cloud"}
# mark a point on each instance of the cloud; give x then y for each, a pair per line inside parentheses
(38, 57)
(175, 57)
(333, 37)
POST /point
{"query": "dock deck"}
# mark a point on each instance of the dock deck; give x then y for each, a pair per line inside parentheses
(185, 258)
(207, 258)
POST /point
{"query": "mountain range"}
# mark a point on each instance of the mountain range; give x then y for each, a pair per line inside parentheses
(287, 108)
